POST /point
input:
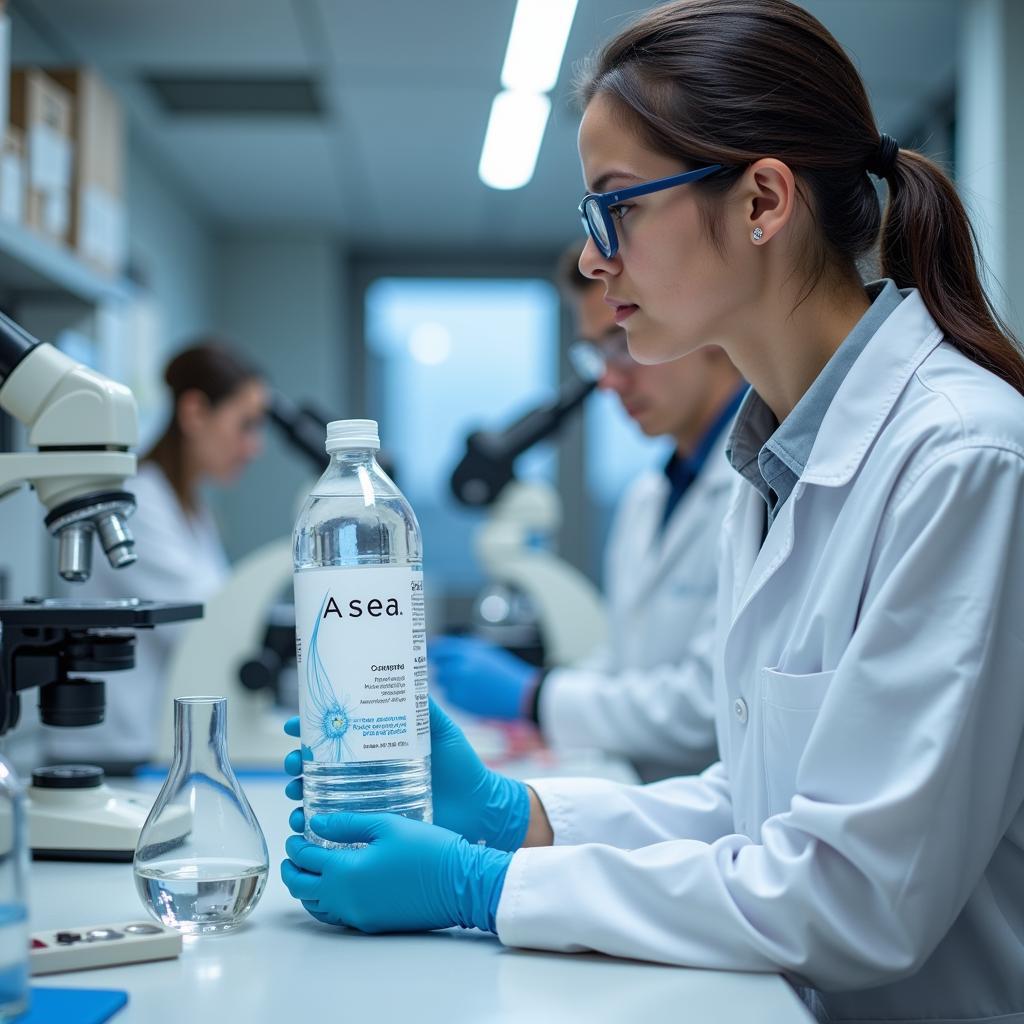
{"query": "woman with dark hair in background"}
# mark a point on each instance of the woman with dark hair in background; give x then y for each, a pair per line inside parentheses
(217, 406)
(863, 832)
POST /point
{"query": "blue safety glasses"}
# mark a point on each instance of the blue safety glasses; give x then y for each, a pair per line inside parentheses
(596, 207)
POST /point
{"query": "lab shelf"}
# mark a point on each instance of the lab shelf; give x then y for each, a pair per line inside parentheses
(31, 265)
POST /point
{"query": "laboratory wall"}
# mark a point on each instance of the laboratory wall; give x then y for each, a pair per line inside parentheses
(279, 296)
(171, 247)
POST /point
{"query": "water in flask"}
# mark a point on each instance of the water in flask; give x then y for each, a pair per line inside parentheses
(361, 638)
(201, 896)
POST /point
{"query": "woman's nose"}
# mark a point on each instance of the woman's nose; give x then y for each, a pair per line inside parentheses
(594, 264)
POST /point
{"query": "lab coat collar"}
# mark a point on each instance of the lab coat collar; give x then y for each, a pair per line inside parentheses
(870, 390)
(853, 420)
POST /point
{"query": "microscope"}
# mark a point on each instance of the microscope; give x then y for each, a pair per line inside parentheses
(536, 604)
(81, 426)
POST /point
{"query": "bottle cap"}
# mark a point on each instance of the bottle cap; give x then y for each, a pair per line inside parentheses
(352, 434)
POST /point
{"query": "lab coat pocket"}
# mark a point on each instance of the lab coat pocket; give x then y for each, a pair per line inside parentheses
(790, 705)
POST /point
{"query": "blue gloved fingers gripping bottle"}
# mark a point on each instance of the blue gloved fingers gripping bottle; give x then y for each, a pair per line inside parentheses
(410, 876)
(293, 763)
(293, 760)
(469, 798)
(303, 885)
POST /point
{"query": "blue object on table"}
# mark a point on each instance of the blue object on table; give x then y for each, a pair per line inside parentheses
(410, 876)
(72, 1006)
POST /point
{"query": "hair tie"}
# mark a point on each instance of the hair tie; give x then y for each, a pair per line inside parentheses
(882, 164)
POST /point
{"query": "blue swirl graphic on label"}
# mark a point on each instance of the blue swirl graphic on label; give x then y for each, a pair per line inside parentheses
(327, 719)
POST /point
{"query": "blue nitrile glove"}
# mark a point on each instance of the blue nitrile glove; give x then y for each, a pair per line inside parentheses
(480, 677)
(468, 797)
(410, 876)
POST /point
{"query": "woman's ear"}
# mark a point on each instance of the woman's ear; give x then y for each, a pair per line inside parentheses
(192, 410)
(770, 198)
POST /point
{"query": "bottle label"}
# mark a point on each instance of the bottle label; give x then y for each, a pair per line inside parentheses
(361, 649)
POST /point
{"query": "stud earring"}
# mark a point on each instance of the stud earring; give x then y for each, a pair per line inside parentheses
(757, 234)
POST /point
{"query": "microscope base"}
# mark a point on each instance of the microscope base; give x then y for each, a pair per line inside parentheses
(97, 824)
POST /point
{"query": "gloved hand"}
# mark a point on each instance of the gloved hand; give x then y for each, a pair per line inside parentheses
(478, 676)
(410, 877)
(468, 797)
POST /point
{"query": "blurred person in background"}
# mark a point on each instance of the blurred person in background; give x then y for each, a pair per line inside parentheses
(646, 693)
(218, 401)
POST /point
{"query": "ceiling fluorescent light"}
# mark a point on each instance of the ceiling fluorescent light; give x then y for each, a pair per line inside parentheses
(536, 45)
(513, 139)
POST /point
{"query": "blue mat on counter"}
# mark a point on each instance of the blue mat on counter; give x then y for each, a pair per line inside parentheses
(72, 1006)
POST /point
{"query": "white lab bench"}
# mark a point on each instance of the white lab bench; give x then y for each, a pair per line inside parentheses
(282, 965)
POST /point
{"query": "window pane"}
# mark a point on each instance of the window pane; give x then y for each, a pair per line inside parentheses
(447, 356)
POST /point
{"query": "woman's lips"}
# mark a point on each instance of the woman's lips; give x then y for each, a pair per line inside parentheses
(623, 313)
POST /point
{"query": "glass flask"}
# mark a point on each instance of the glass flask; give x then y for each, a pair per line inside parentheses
(201, 862)
(14, 991)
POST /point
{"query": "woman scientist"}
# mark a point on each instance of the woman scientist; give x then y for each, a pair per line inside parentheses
(863, 832)
(215, 430)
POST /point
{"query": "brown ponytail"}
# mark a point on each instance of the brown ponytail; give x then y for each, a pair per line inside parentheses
(732, 81)
(216, 370)
(928, 243)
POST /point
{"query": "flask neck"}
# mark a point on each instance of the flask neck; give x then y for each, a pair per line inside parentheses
(201, 735)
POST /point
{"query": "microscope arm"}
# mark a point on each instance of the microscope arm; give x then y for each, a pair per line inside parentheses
(487, 465)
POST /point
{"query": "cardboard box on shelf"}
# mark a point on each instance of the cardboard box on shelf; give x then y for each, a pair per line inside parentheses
(97, 228)
(12, 176)
(42, 109)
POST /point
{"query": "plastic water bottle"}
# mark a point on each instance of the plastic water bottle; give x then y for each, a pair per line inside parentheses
(361, 638)
(14, 970)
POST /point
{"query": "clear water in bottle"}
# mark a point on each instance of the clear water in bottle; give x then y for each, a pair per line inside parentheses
(14, 969)
(360, 638)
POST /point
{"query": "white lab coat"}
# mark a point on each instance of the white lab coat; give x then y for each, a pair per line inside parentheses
(180, 558)
(647, 695)
(863, 831)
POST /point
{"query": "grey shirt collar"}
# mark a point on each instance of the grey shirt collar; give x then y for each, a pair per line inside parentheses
(772, 456)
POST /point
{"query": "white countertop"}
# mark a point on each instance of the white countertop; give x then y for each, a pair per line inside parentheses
(282, 965)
